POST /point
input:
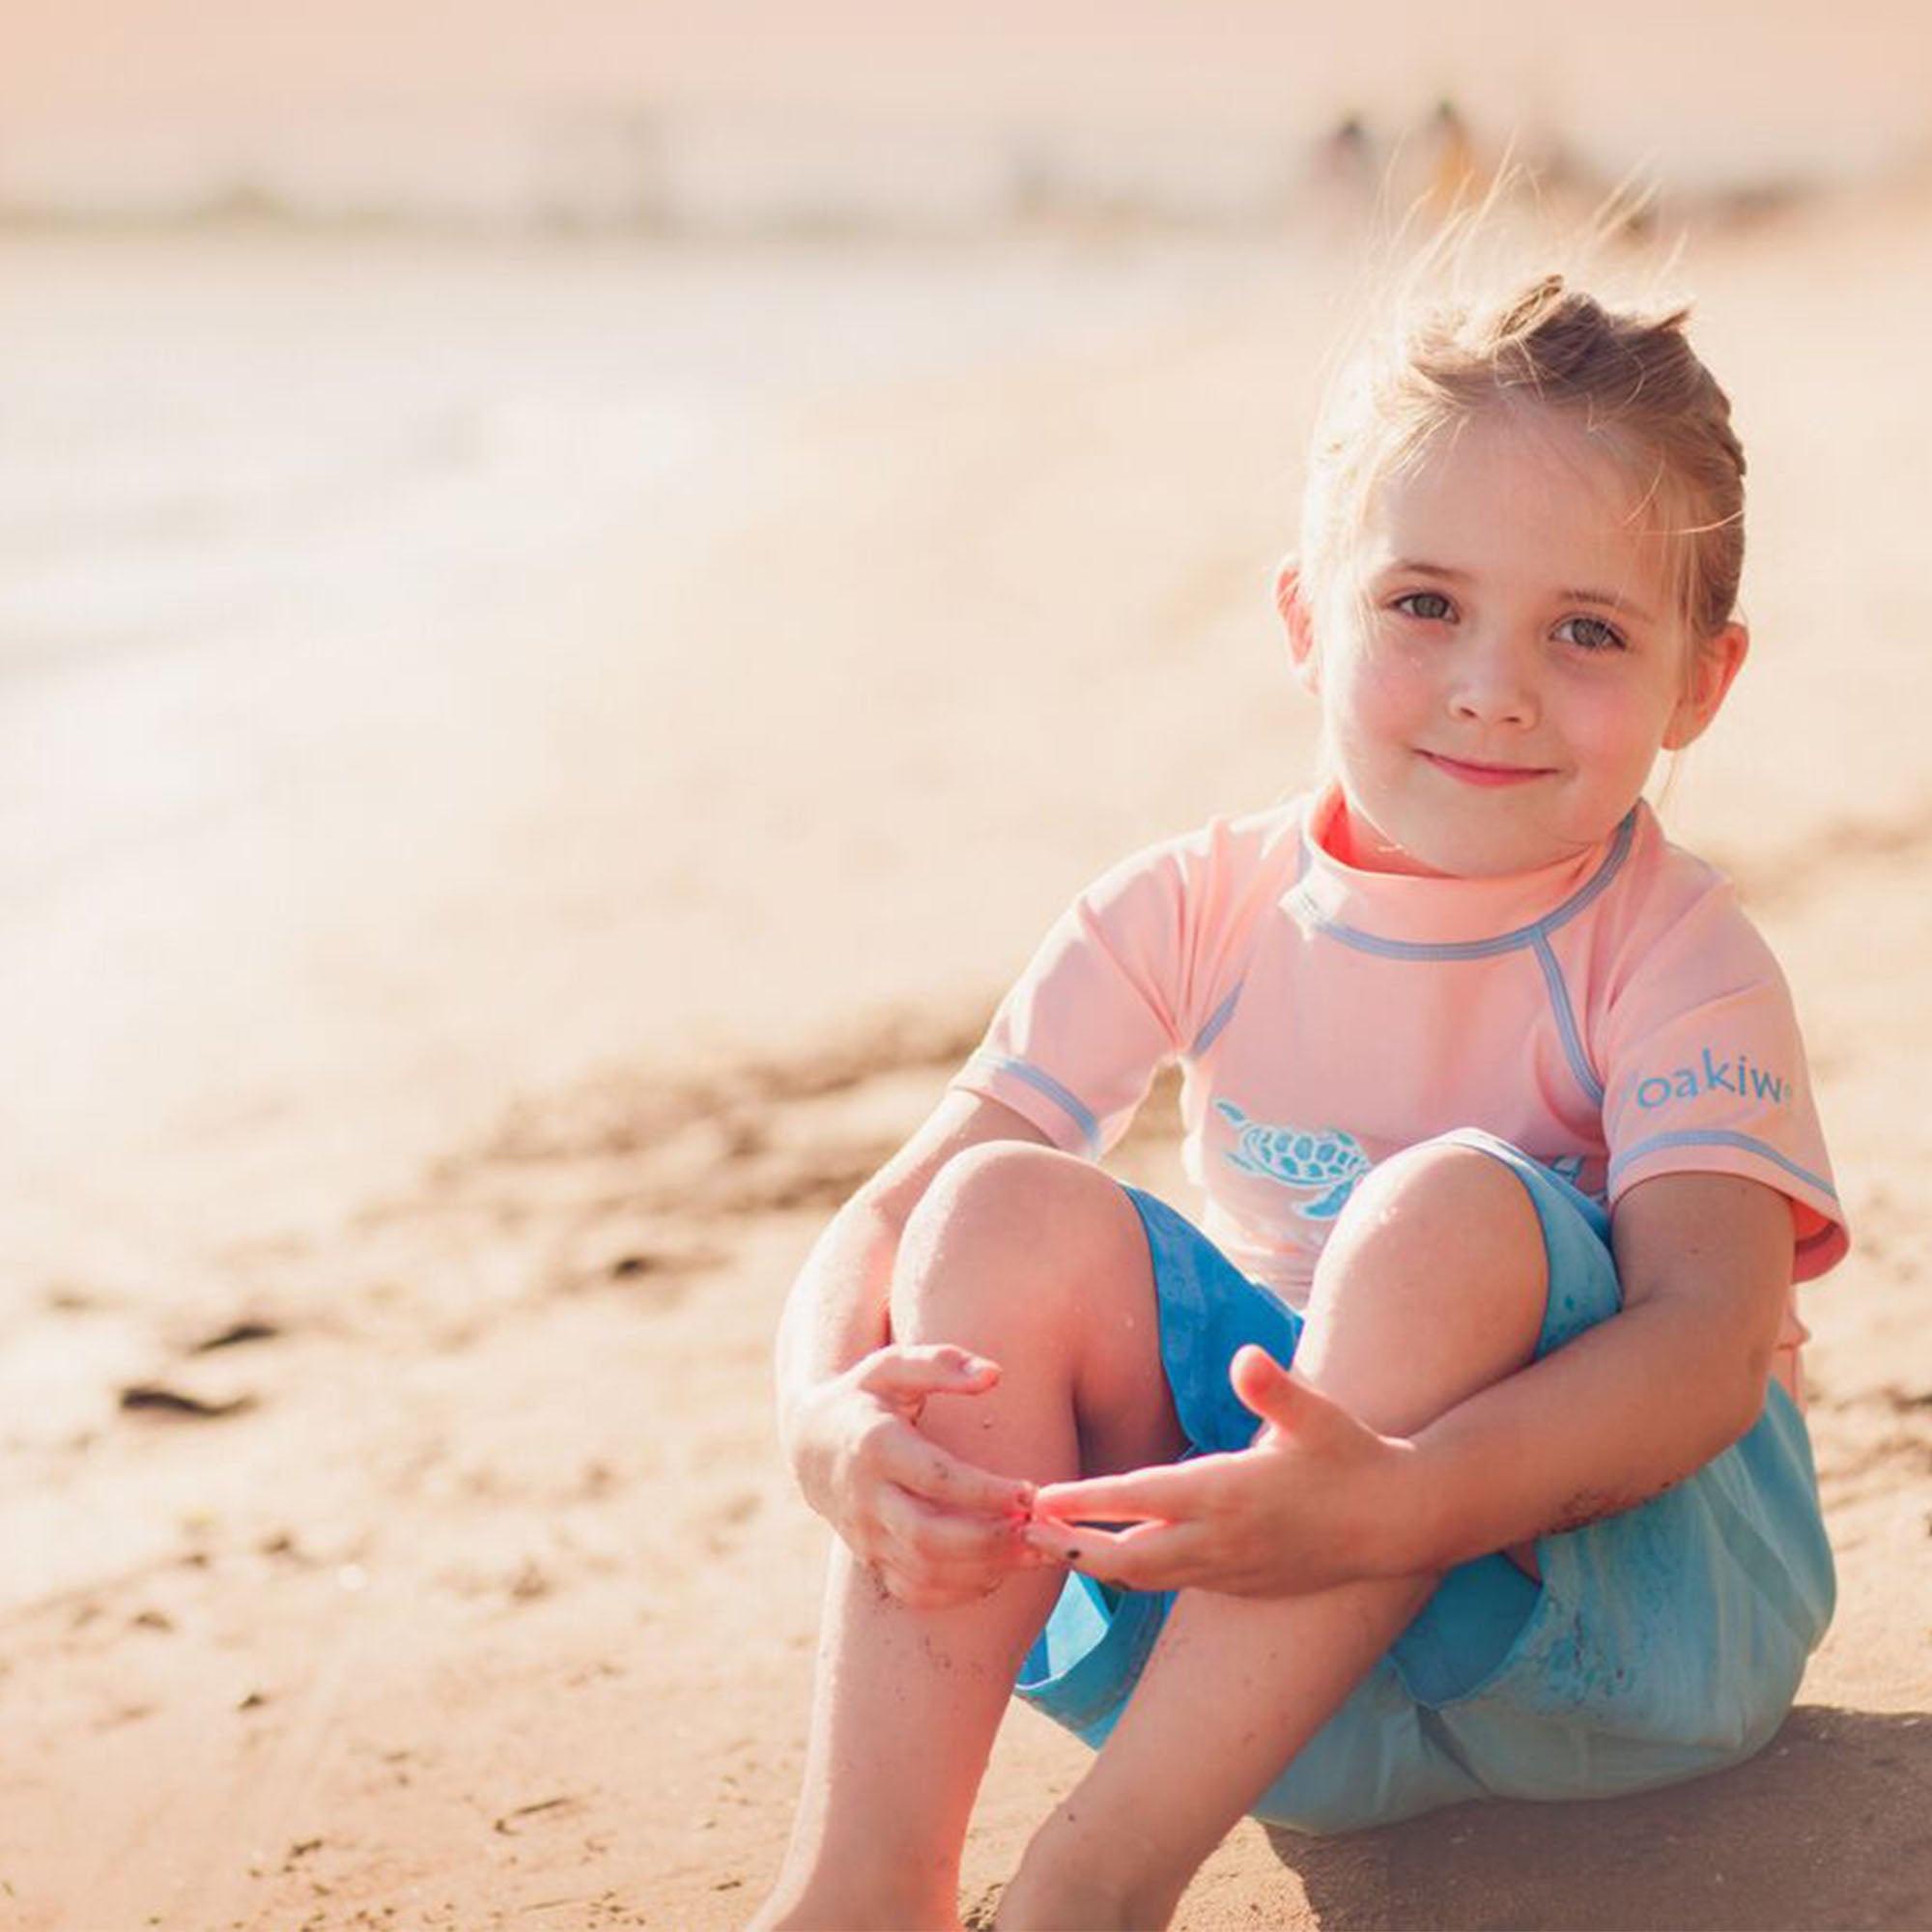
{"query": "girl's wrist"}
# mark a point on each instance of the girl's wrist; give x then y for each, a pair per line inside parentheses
(1405, 1538)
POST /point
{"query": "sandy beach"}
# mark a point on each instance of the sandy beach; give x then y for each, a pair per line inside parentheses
(431, 1055)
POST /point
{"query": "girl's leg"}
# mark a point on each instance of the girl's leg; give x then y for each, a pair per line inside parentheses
(1432, 1286)
(1038, 1261)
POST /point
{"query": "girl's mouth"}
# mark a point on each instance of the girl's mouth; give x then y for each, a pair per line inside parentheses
(1465, 772)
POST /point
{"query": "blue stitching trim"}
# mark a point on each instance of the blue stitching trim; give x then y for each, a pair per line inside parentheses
(1585, 896)
(1566, 1024)
(1719, 1137)
(1216, 1020)
(1044, 1083)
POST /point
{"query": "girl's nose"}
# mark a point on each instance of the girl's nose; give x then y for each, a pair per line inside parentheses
(1493, 685)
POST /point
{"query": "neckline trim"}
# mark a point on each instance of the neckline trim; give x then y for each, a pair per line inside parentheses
(1304, 903)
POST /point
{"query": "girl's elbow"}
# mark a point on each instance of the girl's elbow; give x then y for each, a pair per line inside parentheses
(1723, 1377)
(1722, 1405)
(879, 1208)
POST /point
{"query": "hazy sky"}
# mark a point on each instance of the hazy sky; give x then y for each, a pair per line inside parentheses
(1729, 86)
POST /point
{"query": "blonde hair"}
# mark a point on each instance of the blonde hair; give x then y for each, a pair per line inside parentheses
(1631, 380)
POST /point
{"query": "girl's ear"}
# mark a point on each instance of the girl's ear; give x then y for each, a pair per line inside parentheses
(1719, 660)
(1291, 600)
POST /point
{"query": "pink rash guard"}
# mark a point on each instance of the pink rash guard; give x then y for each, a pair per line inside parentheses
(1615, 1016)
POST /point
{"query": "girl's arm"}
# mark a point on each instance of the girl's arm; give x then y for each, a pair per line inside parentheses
(1623, 1411)
(848, 1396)
(1633, 1404)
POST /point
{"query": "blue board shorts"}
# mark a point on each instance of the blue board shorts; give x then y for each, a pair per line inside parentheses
(1659, 1644)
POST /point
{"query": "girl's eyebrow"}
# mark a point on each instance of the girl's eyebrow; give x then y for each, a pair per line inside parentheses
(1610, 600)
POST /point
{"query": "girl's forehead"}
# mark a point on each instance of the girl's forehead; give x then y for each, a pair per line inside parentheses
(1527, 493)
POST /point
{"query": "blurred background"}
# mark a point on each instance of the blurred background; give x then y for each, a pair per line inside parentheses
(542, 539)
(578, 584)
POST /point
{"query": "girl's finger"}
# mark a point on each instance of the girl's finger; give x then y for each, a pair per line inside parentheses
(1164, 1493)
(923, 1533)
(909, 1552)
(926, 1470)
(1293, 1408)
(908, 1371)
(1149, 1556)
(1063, 1545)
(1266, 1388)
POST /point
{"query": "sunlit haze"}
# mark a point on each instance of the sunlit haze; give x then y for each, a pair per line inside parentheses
(600, 111)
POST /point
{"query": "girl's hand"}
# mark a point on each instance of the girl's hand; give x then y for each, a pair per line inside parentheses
(1318, 1499)
(933, 1530)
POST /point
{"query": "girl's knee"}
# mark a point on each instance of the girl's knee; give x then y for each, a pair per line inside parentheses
(991, 1193)
(1436, 1211)
(1011, 1229)
(1441, 1241)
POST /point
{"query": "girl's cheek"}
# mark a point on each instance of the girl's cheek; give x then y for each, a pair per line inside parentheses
(1388, 690)
(1625, 732)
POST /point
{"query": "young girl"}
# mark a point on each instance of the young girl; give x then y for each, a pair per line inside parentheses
(1507, 1148)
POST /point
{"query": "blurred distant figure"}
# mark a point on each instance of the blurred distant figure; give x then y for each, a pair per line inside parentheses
(1345, 168)
(1348, 154)
(1455, 175)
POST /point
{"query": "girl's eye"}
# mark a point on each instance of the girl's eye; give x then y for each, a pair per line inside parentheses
(1591, 634)
(1429, 605)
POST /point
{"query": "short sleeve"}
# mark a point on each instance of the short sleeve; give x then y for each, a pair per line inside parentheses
(1128, 980)
(1705, 1072)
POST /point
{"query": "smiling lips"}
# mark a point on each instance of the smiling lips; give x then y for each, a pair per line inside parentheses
(1466, 773)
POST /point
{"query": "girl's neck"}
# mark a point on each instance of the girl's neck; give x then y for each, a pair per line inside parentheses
(1353, 842)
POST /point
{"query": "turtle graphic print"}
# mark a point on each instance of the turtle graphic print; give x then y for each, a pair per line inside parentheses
(1323, 1161)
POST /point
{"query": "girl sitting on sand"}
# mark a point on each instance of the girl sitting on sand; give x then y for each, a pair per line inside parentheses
(1508, 1146)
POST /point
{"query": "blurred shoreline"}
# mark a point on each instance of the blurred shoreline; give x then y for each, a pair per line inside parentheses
(1212, 123)
(391, 712)
(922, 194)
